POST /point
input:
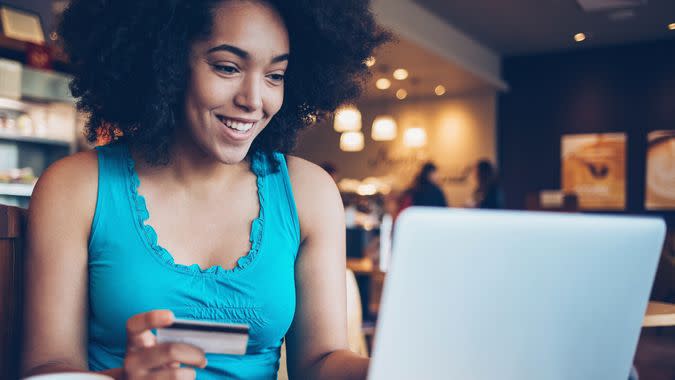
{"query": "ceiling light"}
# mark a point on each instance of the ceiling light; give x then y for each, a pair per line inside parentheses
(384, 128)
(365, 189)
(370, 61)
(671, 26)
(351, 141)
(401, 94)
(347, 119)
(415, 137)
(383, 83)
(439, 90)
(400, 74)
(579, 37)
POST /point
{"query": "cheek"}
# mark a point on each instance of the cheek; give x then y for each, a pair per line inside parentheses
(213, 94)
(208, 92)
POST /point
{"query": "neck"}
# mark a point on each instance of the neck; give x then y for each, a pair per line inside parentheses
(191, 168)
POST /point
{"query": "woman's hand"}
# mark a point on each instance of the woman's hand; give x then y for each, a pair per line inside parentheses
(145, 359)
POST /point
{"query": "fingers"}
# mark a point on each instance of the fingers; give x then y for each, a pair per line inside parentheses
(173, 374)
(146, 359)
(163, 356)
(139, 326)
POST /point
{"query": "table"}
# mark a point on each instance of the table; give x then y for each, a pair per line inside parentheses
(361, 266)
(659, 314)
(370, 280)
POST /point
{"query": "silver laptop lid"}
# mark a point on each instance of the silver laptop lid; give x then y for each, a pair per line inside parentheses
(486, 295)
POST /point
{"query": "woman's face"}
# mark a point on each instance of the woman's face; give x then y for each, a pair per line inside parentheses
(237, 79)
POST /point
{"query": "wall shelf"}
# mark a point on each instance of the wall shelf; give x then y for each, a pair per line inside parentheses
(16, 189)
(4, 136)
(12, 105)
(42, 92)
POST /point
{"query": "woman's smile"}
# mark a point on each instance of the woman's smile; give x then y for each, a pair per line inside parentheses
(238, 129)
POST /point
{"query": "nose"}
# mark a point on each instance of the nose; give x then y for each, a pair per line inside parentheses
(249, 95)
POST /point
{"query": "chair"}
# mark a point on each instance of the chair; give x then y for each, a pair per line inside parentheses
(12, 225)
(357, 342)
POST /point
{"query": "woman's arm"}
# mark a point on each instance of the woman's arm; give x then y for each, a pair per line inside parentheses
(59, 220)
(317, 341)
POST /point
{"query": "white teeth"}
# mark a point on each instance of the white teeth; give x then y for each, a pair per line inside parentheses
(241, 127)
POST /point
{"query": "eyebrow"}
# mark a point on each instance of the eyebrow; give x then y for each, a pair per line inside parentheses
(243, 54)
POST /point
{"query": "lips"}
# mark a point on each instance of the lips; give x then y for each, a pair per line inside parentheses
(239, 125)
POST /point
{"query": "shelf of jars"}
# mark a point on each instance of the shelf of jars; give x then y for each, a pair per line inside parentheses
(38, 125)
(16, 186)
(12, 136)
(35, 105)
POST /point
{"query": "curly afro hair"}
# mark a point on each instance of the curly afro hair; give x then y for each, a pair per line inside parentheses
(131, 69)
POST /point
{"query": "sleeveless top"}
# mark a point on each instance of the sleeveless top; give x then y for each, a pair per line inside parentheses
(129, 273)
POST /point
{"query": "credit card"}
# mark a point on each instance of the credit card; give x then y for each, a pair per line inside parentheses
(212, 337)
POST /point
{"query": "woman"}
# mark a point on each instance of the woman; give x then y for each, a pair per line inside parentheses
(425, 190)
(487, 195)
(194, 211)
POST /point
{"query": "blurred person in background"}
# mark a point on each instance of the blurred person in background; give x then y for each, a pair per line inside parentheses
(488, 194)
(426, 190)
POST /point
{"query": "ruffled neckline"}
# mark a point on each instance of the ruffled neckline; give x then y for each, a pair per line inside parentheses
(258, 167)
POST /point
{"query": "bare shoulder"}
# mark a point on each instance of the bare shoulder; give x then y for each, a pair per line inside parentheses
(316, 195)
(69, 185)
(302, 170)
(73, 175)
(310, 180)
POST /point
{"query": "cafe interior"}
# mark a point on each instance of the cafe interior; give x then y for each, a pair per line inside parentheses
(561, 106)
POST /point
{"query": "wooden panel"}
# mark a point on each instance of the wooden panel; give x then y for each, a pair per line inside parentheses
(11, 290)
(659, 314)
(6, 284)
(10, 221)
(10, 308)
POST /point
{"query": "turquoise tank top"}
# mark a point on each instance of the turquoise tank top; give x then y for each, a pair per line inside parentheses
(129, 273)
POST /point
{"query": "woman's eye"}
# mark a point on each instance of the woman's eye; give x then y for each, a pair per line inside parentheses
(276, 77)
(226, 69)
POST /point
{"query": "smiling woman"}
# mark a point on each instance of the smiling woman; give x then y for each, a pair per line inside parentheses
(134, 64)
(203, 100)
(237, 79)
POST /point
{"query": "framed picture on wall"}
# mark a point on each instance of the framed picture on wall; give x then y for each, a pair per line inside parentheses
(21, 25)
(594, 168)
(660, 177)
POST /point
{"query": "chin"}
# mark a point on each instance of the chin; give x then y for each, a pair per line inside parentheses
(232, 155)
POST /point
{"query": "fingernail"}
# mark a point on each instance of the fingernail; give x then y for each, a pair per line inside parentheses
(205, 363)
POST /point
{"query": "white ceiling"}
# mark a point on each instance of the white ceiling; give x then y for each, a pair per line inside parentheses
(516, 27)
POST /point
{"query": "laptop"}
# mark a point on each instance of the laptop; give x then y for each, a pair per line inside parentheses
(485, 295)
